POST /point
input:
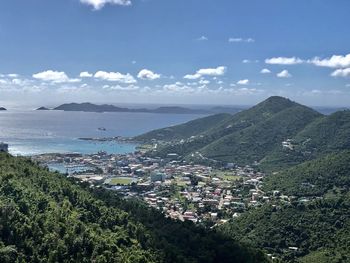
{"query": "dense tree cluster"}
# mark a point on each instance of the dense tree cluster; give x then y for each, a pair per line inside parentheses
(316, 221)
(320, 230)
(313, 178)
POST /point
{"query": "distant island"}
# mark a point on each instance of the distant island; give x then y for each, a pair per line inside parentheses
(2, 109)
(42, 108)
(90, 107)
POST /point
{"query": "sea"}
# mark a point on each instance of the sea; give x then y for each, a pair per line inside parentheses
(38, 132)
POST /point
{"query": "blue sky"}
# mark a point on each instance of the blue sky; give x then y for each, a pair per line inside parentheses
(174, 52)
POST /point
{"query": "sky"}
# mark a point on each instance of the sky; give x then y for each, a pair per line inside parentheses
(222, 52)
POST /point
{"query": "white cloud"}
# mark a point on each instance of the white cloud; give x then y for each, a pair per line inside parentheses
(178, 87)
(74, 80)
(98, 4)
(284, 61)
(341, 73)
(148, 74)
(247, 61)
(243, 82)
(202, 38)
(204, 82)
(194, 76)
(3, 81)
(336, 61)
(13, 75)
(239, 39)
(115, 76)
(54, 76)
(219, 71)
(265, 71)
(85, 74)
(247, 91)
(121, 88)
(284, 74)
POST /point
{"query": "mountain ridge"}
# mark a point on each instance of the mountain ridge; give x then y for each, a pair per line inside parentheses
(90, 107)
(247, 137)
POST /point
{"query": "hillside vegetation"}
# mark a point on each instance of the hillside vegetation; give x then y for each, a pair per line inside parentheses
(325, 135)
(319, 229)
(256, 141)
(313, 178)
(186, 130)
(252, 135)
(45, 217)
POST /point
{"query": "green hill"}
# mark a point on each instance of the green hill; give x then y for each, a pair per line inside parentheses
(313, 178)
(324, 135)
(245, 137)
(319, 228)
(254, 142)
(46, 217)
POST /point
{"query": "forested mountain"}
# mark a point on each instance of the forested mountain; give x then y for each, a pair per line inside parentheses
(313, 178)
(256, 141)
(325, 135)
(46, 217)
(243, 138)
(277, 133)
(313, 232)
(314, 226)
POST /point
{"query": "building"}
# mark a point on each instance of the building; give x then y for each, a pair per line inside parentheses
(157, 176)
(4, 147)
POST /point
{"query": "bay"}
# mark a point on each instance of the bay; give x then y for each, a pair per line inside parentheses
(38, 132)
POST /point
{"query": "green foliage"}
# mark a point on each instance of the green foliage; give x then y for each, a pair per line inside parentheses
(313, 178)
(253, 143)
(247, 136)
(325, 135)
(257, 134)
(319, 229)
(45, 217)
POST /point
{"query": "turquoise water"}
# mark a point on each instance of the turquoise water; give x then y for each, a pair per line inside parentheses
(37, 132)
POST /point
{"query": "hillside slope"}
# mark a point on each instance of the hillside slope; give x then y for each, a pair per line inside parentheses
(313, 178)
(186, 130)
(253, 143)
(326, 134)
(318, 228)
(243, 138)
(45, 217)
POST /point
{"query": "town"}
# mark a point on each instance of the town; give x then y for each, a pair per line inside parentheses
(183, 191)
